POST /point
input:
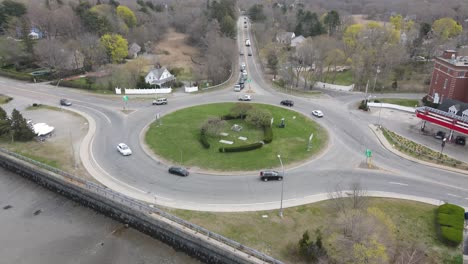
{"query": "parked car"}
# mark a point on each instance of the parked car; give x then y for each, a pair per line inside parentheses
(124, 149)
(317, 113)
(178, 171)
(245, 97)
(440, 135)
(160, 101)
(249, 53)
(267, 175)
(287, 102)
(460, 140)
(65, 102)
(241, 53)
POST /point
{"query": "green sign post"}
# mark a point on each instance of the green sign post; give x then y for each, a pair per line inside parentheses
(125, 99)
(369, 158)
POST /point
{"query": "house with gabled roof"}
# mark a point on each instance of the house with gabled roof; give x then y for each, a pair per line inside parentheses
(133, 50)
(159, 76)
(285, 37)
(297, 41)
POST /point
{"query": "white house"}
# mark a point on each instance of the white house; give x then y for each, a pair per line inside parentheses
(33, 35)
(297, 41)
(159, 76)
(285, 37)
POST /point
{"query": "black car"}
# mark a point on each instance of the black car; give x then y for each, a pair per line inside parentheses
(460, 140)
(440, 135)
(65, 102)
(178, 171)
(287, 102)
(267, 175)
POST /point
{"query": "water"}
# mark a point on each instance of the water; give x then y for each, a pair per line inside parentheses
(38, 226)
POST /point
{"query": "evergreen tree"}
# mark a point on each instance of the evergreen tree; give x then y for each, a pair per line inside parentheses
(22, 131)
(5, 124)
(332, 21)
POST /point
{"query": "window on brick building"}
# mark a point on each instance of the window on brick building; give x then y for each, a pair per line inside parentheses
(437, 78)
(445, 83)
(461, 74)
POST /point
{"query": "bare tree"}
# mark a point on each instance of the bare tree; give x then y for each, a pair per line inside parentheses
(94, 53)
(52, 53)
(214, 125)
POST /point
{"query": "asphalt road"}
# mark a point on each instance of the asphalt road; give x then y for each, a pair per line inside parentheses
(341, 163)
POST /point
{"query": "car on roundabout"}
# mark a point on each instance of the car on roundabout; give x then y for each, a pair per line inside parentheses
(317, 113)
(245, 97)
(268, 175)
(178, 171)
(65, 102)
(124, 149)
(287, 103)
(160, 101)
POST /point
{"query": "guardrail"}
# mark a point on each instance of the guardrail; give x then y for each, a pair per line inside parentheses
(145, 208)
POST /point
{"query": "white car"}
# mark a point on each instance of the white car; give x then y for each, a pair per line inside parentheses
(317, 113)
(245, 97)
(124, 149)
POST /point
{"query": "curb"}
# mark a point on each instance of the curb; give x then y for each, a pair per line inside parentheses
(390, 148)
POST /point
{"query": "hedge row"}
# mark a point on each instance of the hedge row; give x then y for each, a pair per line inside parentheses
(17, 75)
(450, 221)
(203, 139)
(230, 117)
(248, 147)
(267, 134)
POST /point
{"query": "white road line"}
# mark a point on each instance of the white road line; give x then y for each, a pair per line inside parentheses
(453, 195)
(105, 116)
(398, 183)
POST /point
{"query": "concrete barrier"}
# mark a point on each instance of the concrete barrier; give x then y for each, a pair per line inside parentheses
(143, 91)
(195, 241)
(392, 106)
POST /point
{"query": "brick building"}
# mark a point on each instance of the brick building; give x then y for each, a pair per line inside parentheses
(449, 78)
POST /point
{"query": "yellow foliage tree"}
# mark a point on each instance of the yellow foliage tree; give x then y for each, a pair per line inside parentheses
(116, 47)
(446, 28)
(127, 15)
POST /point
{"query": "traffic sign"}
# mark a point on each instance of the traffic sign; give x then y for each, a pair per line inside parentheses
(249, 80)
(368, 153)
(125, 98)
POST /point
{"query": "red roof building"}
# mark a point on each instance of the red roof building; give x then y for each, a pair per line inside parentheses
(449, 78)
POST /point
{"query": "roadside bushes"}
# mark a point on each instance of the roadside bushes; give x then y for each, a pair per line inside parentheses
(267, 134)
(248, 147)
(203, 139)
(363, 105)
(450, 221)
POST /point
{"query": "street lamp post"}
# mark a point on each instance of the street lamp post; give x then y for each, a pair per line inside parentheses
(380, 112)
(375, 80)
(282, 187)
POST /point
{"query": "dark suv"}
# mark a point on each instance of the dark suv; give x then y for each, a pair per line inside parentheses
(460, 140)
(287, 102)
(440, 135)
(267, 175)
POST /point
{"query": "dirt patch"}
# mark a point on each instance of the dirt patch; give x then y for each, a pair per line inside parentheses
(174, 52)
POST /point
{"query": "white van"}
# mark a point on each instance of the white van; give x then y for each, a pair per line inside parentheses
(237, 88)
(244, 75)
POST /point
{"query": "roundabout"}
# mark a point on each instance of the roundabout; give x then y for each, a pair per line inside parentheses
(176, 138)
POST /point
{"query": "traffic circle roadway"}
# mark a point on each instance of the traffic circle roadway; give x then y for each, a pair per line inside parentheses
(144, 176)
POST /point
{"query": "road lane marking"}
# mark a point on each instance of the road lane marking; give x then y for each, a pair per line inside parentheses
(105, 116)
(453, 195)
(398, 183)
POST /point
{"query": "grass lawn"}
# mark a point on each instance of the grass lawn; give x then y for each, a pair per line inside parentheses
(180, 132)
(5, 99)
(342, 78)
(278, 237)
(399, 101)
(49, 154)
